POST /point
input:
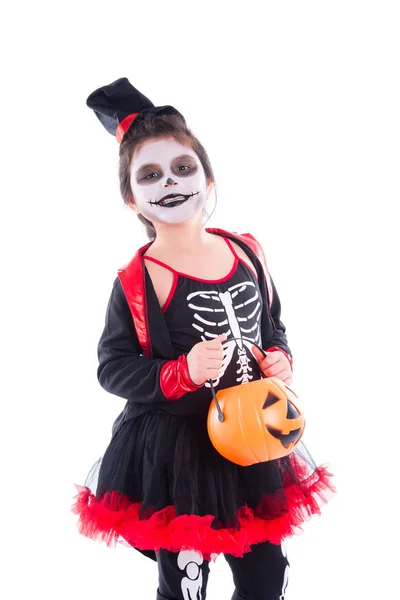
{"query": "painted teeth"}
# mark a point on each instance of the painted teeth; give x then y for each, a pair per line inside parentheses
(169, 200)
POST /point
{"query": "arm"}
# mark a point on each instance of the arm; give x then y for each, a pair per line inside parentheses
(278, 340)
(124, 371)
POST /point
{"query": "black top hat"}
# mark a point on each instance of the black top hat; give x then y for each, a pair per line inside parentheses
(118, 104)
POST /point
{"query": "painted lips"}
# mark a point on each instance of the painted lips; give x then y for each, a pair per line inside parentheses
(175, 201)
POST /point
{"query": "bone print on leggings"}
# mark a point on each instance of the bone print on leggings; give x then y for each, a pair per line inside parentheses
(191, 584)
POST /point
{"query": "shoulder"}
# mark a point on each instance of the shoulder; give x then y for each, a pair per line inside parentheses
(246, 239)
(241, 253)
(118, 302)
(252, 243)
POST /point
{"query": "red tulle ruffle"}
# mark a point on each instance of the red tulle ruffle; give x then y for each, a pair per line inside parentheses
(163, 529)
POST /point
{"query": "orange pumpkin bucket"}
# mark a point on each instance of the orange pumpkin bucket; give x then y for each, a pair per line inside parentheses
(256, 421)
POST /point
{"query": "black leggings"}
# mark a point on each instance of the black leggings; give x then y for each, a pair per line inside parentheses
(261, 574)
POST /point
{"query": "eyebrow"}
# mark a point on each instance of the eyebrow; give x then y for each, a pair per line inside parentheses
(182, 156)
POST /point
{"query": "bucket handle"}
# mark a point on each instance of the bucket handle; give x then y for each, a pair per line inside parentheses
(221, 416)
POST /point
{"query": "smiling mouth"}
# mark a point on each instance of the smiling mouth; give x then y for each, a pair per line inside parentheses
(173, 199)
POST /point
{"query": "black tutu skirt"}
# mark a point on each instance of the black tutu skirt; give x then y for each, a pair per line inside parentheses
(162, 484)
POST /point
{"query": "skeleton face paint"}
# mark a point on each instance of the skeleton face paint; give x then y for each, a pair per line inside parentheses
(168, 181)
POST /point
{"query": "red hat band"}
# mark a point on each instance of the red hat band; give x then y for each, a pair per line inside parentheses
(124, 126)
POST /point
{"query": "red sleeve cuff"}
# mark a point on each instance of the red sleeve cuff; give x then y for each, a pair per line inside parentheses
(273, 348)
(175, 379)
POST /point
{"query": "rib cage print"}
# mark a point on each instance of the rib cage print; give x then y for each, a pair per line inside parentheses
(234, 313)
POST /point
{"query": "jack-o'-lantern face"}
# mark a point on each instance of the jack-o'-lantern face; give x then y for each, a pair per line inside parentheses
(261, 421)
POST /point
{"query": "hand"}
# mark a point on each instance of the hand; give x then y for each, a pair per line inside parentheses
(205, 360)
(275, 364)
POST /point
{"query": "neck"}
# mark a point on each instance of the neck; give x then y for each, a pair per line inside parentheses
(187, 237)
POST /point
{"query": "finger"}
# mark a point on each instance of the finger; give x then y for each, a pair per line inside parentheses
(285, 381)
(215, 342)
(213, 356)
(273, 358)
(214, 351)
(262, 361)
(277, 372)
(257, 352)
(213, 374)
(267, 361)
(213, 364)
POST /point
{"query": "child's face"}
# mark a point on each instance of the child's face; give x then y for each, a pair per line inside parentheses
(164, 167)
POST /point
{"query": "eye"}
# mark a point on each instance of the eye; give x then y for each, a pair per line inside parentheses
(292, 412)
(270, 400)
(184, 166)
(148, 176)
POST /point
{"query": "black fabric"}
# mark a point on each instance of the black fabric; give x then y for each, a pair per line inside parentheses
(162, 460)
(200, 310)
(261, 574)
(165, 457)
(160, 455)
(112, 103)
(182, 575)
(125, 372)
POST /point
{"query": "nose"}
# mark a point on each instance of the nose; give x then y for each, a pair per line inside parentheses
(170, 181)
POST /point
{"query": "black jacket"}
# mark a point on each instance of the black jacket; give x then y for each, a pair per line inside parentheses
(136, 358)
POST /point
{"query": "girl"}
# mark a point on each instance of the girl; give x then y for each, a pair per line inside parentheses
(188, 308)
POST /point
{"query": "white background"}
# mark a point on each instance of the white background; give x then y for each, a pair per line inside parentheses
(297, 104)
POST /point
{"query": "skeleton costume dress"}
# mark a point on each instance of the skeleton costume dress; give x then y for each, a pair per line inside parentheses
(161, 483)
